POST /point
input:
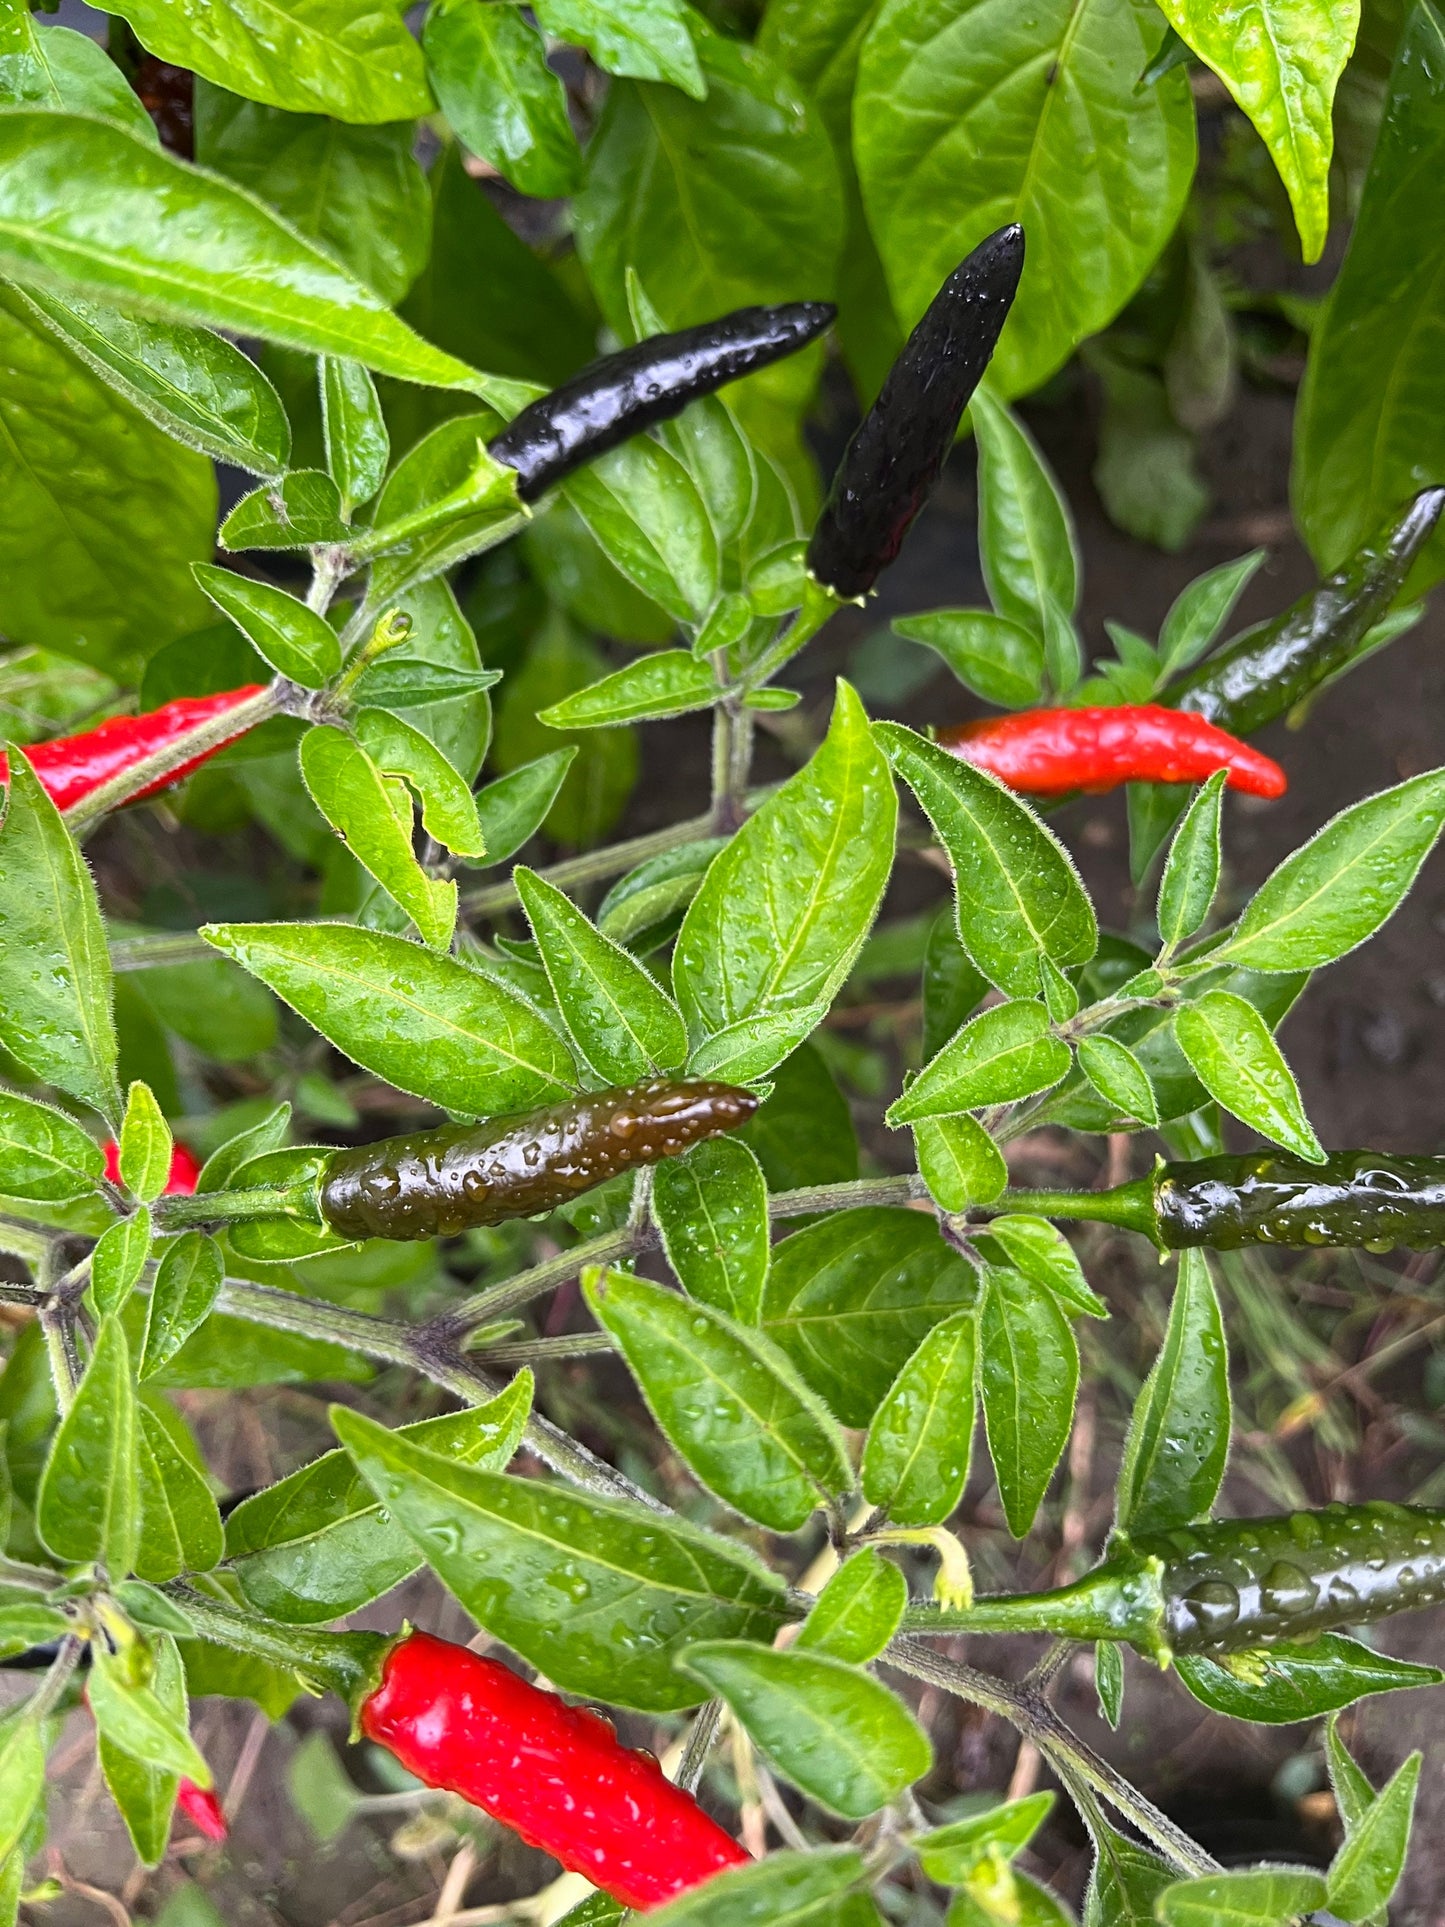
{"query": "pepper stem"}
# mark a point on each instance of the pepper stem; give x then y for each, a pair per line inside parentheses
(1121, 1599)
(347, 1664)
(230, 1207)
(1130, 1205)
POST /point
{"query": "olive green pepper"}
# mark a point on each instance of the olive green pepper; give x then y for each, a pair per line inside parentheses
(438, 1183)
(1232, 1584)
(1267, 670)
(1368, 1198)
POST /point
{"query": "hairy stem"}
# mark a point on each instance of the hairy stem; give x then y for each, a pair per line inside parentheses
(210, 734)
(1036, 1720)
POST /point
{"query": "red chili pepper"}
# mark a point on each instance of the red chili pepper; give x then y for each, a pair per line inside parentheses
(202, 1809)
(181, 1179)
(70, 767)
(1048, 752)
(556, 1774)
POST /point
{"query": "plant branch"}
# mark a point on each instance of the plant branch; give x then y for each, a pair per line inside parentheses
(1031, 1715)
(211, 734)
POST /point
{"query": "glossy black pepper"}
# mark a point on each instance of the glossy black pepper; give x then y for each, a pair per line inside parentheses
(438, 1183)
(890, 467)
(617, 397)
(1267, 670)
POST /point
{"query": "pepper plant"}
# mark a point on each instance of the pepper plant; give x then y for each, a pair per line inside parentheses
(431, 1086)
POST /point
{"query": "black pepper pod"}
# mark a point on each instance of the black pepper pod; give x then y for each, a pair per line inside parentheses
(438, 1183)
(1354, 1198)
(1267, 670)
(1232, 1584)
(618, 396)
(890, 467)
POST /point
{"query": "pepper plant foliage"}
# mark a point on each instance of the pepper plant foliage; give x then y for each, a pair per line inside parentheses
(813, 1348)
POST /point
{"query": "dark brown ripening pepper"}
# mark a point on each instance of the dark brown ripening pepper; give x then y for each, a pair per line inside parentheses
(1266, 671)
(893, 462)
(1232, 1584)
(619, 396)
(438, 1183)
(1368, 1198)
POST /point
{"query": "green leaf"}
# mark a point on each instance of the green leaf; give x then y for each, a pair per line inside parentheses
(185, 1289)
(58, 67)
(994, 657)
(1146, 472)
(489, 70)
(318, 1545)
(1200, 610)
(958, 1161)
(182, 245)
(321, 1790)
(356, 61)
(668, 684)
(1233, 1053)
(180, 1527)
(86, 1506)
(45, 1155)
(953, 985)
(1178, 1444)
(1353, 1793)
(651, 522)
(1019, 895)
(1125, 1881)
(512, 809)
(460, 728)
(134, 1718)
(1281, 60)
(1029, 1373)
(356, 191)
(22, 1779)
(949, 1854)
(964, 121)
(446, 499)
(192, 384)
(357, 444)
(598, 1594)
(1006, 1052)
(398, 748)
(858, 1611)
(1191, 871)
(1367, 1868)
(145, 1145)
(812, 1889)
(298, 512)
(363, 806)
(1283, 1683)
(146, 1795)
(831, 1729)
(745, 1052)
(915, 1464)
(118, 1261)
(1261, 1897)
(729, 1402)
(219, 1170)
(715, 203)
(1025, 532)
(294, 640)
(1109, 1681)
(1341, 886)
(55, 981)
(411, 682)
(784, 909)
(647, 39)
(425, 1023)
(711, 1206)
(95, 563)
(850, 1300)
(1368, 431)
(624, 1025)
(1045, 1257)
(1119, 1078)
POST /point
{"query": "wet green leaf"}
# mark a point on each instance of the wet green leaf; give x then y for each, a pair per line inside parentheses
(489, 68)
(399, 749)
(648, 39)
(135, 1718)
(948, 1854)
(1005, 1053)
(1029, 1373)
(813, 1889)
(357, 444)
(1367, 1868)
(996, 658)
(858, 1611)
(1025, 531)
(958, 1161)
(915, 1464)
(1044, 1255)
(1119, 1078)
(669, 684)
(1178, 1443)
(711, 1206)
(86, 1509)
(512, 809)
(44, 1154)
(145, 1794)
(1191, 870)
(1280, 1684)
(1233, 1053)
(296, 642)
(1261, 1897)
(186, 1285)
(652, 524)
(180, 1528)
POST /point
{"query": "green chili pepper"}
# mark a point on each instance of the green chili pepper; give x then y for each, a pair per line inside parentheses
(1232, 1584)
(1268, 669)
(438, 1183)
(1367, 1198)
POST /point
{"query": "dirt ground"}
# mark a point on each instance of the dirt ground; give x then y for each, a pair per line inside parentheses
(1363, 1043)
